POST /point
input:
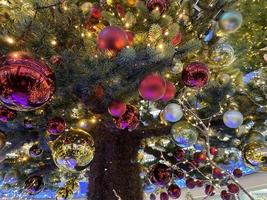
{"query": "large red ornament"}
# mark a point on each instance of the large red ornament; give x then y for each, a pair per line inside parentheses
(25, 83)
(152, 87)
(162, 5)
(7, 114)
(195, 75)
(56, 125)
(169, 92)
(111, 40)
(116, 108)
(160, 174)
(174, 191)
(129, 120)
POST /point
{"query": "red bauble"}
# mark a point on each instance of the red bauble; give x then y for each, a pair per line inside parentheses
(213, 151)
(152, 87)
(160, 174)
(95, 13)
(56, 125)
(179, 154)
(195, 75)
(238, 173)
(112, 39)
(190, 183)
(174, 191)
(170, 92)
(217, 173)
(225, 195)
(233, 188)
(209, 190)
(200, 157)
(130, 36)
(177, 39)
(7, 114)
(129, 120)
(162, 5)
(25, 83)
(179, 174)
(164, 196)
(120, 9)
(199, 183)
(116, 108)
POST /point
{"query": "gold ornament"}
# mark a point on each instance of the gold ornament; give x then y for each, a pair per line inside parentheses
(223, 78)
(2, 140)
(72, 185)
(131, 3)
(64, 194)
(86, 7)
(253, 136)
(73, 150)
(255, 155)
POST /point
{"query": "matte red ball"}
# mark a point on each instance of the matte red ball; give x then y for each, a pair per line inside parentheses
(233, 188)
(238, 173)
(190, 183)
(96, 12)
(179, 154)
(117, 108)
(195, 75)
(169, 93)
(209, 190)
(112, 39)
(200, 157)
(164, 196)
(25, 83)
(56, 125)
(213, 151)
(217, 173)
(129, 120)
(152, 87)
(160, 174)
(6, 114)
(226, 195)
(174, 191)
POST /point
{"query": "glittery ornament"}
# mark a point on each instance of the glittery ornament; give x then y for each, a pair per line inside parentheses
(63, 193)
(172, 112)
(233, 118)
(184, 134)
(152, 87)
(237, 173)
(34, 185)
(129, 120)
(95, 12)
(25, 83)
(3, 140)
(169, 92)
(209, 190)
(111, 40)
(162, 5)
(222, 55)
(73, 150)
(116, 108)
(200, 157)
(230, 21)
(174, 191)
(6, 114)
(195, 75)
(160, 174)
(56, 125)
(255, 155)
(35, 151)
(233, 188)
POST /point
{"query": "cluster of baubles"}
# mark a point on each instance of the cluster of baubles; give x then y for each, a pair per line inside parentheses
(162, 175)
(154, 87)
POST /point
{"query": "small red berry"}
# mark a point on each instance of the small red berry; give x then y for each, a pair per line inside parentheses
(233, 188)
(213, 151)
(217, 173)
(200, 157)
(238, 173)
(190, 183)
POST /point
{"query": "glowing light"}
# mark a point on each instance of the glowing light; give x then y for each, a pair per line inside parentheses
(10, 40)
(53, 42)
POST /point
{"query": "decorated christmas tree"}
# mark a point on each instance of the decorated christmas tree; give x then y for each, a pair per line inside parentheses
(137, 98)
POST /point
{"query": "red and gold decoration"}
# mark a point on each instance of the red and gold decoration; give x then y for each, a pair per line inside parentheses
(129, 120)
(34, 185)
(6, 114)
(56, 125)
(25, 83)
(195, 75)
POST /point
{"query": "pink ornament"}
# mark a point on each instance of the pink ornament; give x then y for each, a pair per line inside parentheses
(195, 75)
(177, 39)
(112, 39)
(152, 87)
(116, 108)
(170, 92)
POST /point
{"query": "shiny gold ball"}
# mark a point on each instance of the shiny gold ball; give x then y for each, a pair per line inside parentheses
(73, 150)
(131, 3)
(255, 155)
(3, 140)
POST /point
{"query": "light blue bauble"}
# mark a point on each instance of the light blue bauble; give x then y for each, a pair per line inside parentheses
(149, 188)
(172, 112)
(233, 118)
(230, 21)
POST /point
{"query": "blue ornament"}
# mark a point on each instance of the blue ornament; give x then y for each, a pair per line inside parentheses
(230, 21)
(209, 36)
(233, 118)
(172, 112)
(149, 188)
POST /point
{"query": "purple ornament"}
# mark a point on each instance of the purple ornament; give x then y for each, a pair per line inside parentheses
(164, 196)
